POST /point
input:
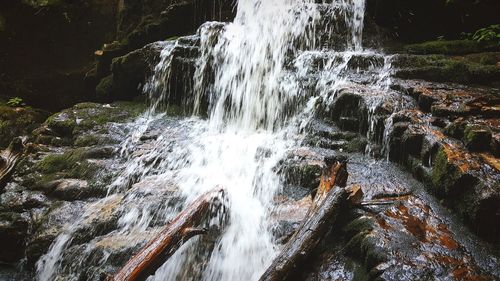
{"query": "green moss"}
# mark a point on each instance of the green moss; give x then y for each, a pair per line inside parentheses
(86, 140)
(455, 129)
(134, 108)
(441, 68)
(477, 138)
(104, 88)
(455, 47)
(62, 123)
(90, 115)
(444, 174)
(356, 145)
(71, 164)
(18, 121)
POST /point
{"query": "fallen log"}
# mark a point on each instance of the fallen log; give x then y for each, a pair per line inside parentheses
(8, 160)
(323, 214)
(335, 174)
(169, 239)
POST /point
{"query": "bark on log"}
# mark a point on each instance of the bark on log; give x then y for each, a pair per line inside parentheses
(8, 160)
(327, 204)
(335, 174)
(170, 238)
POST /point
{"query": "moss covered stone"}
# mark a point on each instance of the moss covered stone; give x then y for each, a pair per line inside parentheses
(105, 88)
(454, 47)
(18, 121)
(87, 140)
(477, 137)
(71, 164)
(444, 175)
(450, 173)
(85, 116)
(455, 129)
(62, 123)
(356, 145)
(441, 68)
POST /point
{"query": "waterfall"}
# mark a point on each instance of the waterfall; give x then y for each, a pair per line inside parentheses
(250, 71)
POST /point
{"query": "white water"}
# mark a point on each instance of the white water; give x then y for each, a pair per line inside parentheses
(251, 126)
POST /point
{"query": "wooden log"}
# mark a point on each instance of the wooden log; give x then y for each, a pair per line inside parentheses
(305, 240)
(8, 160)
(327, 204)
(169, 239)
(334, 174)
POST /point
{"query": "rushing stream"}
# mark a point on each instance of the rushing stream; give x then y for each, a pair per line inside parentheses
(254, 75)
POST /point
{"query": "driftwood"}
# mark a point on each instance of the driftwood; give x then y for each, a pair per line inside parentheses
(169, 239)
(327, 204)
(8, 160)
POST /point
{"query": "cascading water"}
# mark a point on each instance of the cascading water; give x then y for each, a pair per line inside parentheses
(250, 71)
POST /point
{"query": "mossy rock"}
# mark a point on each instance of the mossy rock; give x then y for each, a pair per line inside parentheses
(455, 129)
(104, 89)
(71, 164)
(454, 47)
(448, 178)
(446, 69)
(357, 145)
(477, 137)
(87, 116)
(18, 121)
(87, 140)
(62, 123)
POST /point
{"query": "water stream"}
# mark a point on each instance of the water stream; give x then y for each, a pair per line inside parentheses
(252, 72)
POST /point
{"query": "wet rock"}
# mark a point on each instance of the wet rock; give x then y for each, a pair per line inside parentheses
(477, 138)
(14, 228)
(466, 180)
(415, 235)
(113, 250)
(350, 112)
(454, 47)
(61, 129)
(142, 23)
(456, 128)
(52, 224)
(128, 73)
(67, 189)
(98, 219)
(16, 198)
(303, 167)
(441, 68)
